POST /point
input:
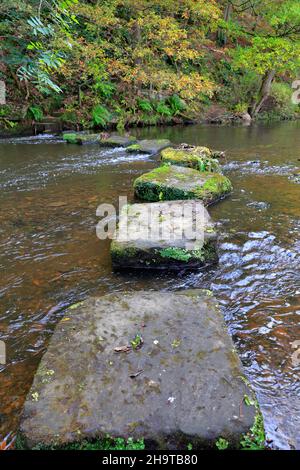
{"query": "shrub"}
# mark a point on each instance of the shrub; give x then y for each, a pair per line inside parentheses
(282, 96)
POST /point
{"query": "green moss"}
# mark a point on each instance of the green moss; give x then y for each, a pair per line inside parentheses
(161, 184)
(107, 443)
(206, 253)
(198, 158)
(134, 148)
(178, 254)
(117, 251)
(71, 138)
(214, 188)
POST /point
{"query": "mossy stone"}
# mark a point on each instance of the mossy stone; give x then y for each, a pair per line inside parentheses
(151, 236)
(198, 158)
(172, 182)
(79, 139)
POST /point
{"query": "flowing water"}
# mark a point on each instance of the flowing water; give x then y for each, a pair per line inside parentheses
(50, 256)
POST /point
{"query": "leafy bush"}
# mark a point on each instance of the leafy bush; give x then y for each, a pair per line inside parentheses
(282, 96)
(238, 87)
(105, 89)
(100, 115)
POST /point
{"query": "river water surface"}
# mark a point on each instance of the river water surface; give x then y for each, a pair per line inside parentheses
(50, 256)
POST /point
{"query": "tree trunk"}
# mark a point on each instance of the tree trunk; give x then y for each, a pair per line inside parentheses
(221, 34)
(264, 93)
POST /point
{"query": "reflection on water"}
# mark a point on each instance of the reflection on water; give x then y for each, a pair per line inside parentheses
(50, 256)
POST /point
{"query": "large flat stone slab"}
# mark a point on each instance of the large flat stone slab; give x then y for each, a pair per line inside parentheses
(198, 158)
(183, 385)
(171, 182)
(148, 146)
(173, 235)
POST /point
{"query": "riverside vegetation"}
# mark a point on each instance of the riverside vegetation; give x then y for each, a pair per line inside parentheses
(93, 64)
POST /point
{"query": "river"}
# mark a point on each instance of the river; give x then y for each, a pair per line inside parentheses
(50, 256)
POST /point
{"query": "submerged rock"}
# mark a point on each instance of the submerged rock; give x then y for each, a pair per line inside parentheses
(78, 138)
(171, 235)
(148, 146)
(152, 365)
(171, 182)
(198, 158)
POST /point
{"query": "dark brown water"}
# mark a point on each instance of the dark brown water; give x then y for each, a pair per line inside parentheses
(50, 256)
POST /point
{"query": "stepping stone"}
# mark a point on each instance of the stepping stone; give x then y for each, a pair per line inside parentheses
(148, 146)
(117, 141)
(173, 235)
(180, 381)
(198, 158)
(170, 182)
(79, 139)
(101, 139)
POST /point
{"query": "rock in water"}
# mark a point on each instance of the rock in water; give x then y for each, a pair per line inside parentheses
(115, 140)
(81, 138)
(173, 235)
(148, 146)
(184, 384)
(198, 158)
(171, 182)
(105, 140)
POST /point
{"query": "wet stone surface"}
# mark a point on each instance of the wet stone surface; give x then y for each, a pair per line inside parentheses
(148, 146)
(172, 235)
(182, 378)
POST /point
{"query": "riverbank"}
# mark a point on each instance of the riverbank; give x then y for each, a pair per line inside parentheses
(12, 125)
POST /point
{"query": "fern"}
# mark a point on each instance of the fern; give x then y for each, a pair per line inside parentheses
(163, 109)
(100, 115)
(35, 112)
(145, 105)
(176, 104)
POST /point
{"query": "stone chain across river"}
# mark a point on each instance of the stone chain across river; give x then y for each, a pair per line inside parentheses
(187, 173)
(153, 365)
